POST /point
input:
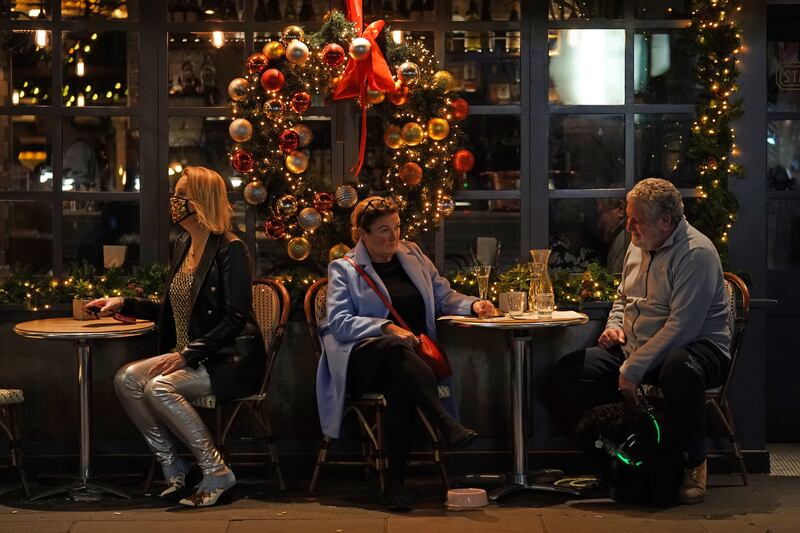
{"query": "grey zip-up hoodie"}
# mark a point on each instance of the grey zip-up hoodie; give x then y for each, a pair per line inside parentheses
(670, 298)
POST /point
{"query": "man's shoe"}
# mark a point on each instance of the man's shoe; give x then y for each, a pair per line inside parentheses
(395, 498)
(458, 436)
(693, 488)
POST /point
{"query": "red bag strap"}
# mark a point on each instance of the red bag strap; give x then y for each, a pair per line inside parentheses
(380, 294)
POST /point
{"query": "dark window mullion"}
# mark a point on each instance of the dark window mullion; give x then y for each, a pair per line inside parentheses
(629, 101)
(57, 140)
(539, 119)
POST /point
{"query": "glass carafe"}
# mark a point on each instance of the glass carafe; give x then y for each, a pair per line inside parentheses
(540, 293)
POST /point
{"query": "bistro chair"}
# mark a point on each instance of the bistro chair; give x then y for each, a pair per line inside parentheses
(9, 400)
(271, 304)
(369, 409)
(717, 397)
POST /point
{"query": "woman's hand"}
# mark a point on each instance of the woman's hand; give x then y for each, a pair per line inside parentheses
(403, 334)
(168, 364)
(483, 308)
(107, 306)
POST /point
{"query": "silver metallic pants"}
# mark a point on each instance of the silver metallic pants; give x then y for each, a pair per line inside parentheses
(159, 407)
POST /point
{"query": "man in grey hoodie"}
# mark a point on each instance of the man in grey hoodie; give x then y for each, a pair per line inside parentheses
(668, 326)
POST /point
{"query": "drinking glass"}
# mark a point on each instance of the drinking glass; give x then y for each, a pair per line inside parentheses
(544, 305)
(516, 303)
(482, 274)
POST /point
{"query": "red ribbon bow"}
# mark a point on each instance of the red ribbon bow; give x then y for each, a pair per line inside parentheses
(372, 72)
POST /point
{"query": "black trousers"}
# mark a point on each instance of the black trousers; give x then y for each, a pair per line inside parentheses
(391, 367)
(590, 377)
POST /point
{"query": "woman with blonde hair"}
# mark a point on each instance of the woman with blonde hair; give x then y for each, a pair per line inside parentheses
(207, 334)
(364, 349)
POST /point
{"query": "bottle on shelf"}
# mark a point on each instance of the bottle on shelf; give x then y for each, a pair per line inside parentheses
(416, 10)
(307, 11)
(472, 38)
(487, 38)
(192, 12)
(403, 11)
(388, 9)
(290, 13)
(274, 10)
(179, 10)
(512, 40)
(229, 10)
(261, 11)
(429, 10)
(456, 43)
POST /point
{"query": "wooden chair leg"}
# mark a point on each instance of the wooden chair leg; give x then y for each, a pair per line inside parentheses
(381, 459)
(263, 419)
(322, 456)
(438, 447)
(16, 451)
(726, 417)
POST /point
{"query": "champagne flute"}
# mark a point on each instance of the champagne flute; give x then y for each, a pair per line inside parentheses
(482, 274)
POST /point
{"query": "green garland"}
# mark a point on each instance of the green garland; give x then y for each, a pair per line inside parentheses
(717, 39)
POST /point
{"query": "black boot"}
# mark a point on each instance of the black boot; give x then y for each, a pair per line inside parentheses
(395, 498)
(457, 436)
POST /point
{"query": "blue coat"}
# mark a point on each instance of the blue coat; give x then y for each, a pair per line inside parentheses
(355, 313)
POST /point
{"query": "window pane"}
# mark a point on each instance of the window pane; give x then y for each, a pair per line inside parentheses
(201, 65)
(587, 67)
(99, 9)
(26, 156)
(100, 68)
(26, 10)
(25, 68)
(663, 9)
(101, 154)
(587, 151)
(663, 70)
(488, 10)
(204, 10)
(783, 78)
(783, 234)
(608, 9)
(485, 66)
(481, 218)
(494, 140)
(295, 10)
(583, 231)
(200, 141)
(91, 228)
(783, 155)
(660, 149)
(26, 239)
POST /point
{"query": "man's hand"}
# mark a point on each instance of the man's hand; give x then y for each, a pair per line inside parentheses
(611, 337)
(168, 364)
(483, 308)
(403, 334)
(628, 389)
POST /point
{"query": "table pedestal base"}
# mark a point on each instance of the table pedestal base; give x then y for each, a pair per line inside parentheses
(513, 488)
(82, 490)
(542, 481)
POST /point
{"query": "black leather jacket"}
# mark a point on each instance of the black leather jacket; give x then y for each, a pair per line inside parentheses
(223, 332)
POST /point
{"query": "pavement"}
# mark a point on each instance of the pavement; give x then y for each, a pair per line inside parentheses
(769, 504)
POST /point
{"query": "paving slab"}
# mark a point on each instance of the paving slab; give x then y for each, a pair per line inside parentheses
(341, 525)
(140, 526)
(35, 527)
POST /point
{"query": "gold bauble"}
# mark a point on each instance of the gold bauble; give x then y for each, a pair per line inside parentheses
(240, 130)
(237, 89)
(412, 134)
(274, 108)
(360, 48)
(297, 162)
(273, 50)
(291, 33)
(408, 73)
(309, 219)
(393, 137)
(297, 52)
(438, 129)
(444, 80)
(337, 251)
(286, 206)
(298, 248)
(346, 196)
(305, 134)
(446, 205)
(375, 97)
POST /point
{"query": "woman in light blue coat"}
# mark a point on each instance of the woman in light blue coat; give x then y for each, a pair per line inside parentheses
(364, 350)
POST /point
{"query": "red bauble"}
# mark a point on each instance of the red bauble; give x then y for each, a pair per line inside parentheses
(242, 161)
(272, 80)
(399, 96)
(288, 141)
(410, 174)
(459, 109)
(300, 102)
(275, 228)
(333, 55)
(323, 202)
(463, 161)
(256, 63)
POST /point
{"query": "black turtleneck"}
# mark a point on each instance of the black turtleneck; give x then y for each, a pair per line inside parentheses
(404, 295)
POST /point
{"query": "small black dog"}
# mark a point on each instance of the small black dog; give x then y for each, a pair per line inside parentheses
(632, 453)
